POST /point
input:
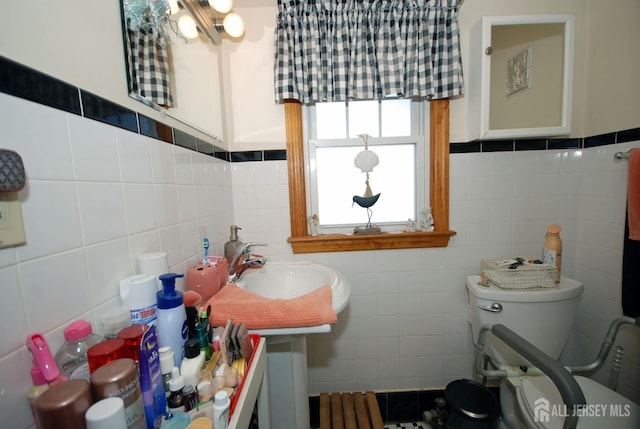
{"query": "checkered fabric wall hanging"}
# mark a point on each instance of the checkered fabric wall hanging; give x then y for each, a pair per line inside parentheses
(12, 176)
(149, 66)
(354, 49)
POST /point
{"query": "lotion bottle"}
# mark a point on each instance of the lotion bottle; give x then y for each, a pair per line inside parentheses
(192, 363)
(552, 252)
(231, 247)
(221, 406)
(172, 317)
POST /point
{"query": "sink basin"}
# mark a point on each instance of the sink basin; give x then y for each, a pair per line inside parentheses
(293, 279)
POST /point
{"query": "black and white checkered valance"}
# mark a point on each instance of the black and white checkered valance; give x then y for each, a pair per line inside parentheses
(329, 50)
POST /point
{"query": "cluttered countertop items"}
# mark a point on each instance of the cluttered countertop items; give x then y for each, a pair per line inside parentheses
(166, 360)
(159, 364)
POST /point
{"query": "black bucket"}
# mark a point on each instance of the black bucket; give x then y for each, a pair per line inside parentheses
(472, 405)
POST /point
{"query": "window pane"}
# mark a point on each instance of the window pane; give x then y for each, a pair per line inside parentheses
(396, 118)
(331, 120)
(364, 118)
(339, 180)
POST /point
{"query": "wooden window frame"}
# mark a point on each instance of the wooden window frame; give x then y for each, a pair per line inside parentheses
(302, 242)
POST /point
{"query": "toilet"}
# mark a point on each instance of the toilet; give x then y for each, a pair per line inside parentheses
(544, 317)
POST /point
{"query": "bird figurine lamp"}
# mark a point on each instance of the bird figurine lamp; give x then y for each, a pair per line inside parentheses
(366, 160)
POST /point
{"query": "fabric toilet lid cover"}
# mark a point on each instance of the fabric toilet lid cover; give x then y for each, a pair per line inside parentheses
(605, 408)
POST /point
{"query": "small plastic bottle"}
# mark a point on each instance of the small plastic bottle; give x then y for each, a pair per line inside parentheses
(175, 401)
(71, 358)
(192, 363)
(166, 365)
(552, 252)
(221, 406)
(107, 413)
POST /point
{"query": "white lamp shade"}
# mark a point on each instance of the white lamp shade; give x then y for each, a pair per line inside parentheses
(222, 6)
(187, 27)
(173, 7)
(233, 25)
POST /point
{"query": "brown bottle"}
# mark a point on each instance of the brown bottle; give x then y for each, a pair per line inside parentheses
(552, 252)
(120, 378)
(64, 404)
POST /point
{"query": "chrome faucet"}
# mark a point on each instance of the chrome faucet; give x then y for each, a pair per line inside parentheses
(243, 261)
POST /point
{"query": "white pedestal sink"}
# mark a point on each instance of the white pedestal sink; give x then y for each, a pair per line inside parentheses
(287, 347)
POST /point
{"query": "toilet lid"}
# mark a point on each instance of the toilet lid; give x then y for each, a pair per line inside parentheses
(541, 400)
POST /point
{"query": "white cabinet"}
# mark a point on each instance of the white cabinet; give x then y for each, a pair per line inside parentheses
(520, 76)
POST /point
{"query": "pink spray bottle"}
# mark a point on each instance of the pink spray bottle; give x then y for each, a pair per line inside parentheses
(43, 372)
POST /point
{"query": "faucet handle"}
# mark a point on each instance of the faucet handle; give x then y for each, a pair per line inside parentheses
(247, 247)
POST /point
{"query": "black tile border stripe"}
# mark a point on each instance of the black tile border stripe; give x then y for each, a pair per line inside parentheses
(32, 85)
(478, 146)
(103, 110)
(29, 84)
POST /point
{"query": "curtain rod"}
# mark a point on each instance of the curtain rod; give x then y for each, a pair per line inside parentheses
(623, 155)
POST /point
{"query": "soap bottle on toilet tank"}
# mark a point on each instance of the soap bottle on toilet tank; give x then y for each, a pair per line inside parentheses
(552, 251)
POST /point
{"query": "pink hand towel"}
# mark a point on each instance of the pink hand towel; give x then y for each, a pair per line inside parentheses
(257, 312)
(633, 195)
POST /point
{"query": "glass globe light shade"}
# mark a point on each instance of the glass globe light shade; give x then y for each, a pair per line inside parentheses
(187, 27)
(222, 6)
(233, 25)
(173, 7)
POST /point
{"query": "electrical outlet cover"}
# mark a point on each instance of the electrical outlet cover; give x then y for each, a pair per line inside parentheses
(11, 224)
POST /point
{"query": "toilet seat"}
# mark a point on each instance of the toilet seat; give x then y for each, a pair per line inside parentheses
(605, 408)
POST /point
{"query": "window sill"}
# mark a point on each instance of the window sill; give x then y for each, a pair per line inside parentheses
(345, 243)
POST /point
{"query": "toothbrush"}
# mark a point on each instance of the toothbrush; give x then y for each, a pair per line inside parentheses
(205, 244)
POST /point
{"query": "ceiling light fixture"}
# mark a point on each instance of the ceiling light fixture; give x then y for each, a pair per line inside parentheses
(222, 6)
(187, 27)
(212, 18)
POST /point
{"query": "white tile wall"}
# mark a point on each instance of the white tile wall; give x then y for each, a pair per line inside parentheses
(96, 197)
(406, 324)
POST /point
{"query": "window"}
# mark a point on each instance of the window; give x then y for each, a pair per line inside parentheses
(396, 130)
(302, 242)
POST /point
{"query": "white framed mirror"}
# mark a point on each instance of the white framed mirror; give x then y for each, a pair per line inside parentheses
(521, 76)
(176, 74)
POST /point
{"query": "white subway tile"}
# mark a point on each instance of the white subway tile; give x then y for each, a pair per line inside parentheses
(94, 150)
(140, 207)
(44, 148)
(167, 205)
(134, 156)
(107, 264)
(13, 316)
(162, 165)
(183, 167)
(102, 211)
(50, 215)
(55, 289)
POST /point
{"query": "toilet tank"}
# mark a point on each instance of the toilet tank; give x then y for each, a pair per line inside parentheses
(543, 317)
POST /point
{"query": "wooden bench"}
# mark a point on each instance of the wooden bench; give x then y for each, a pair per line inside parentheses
(350, 411)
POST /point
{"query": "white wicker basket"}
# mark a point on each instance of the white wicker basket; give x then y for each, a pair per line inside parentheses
(525, 275)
